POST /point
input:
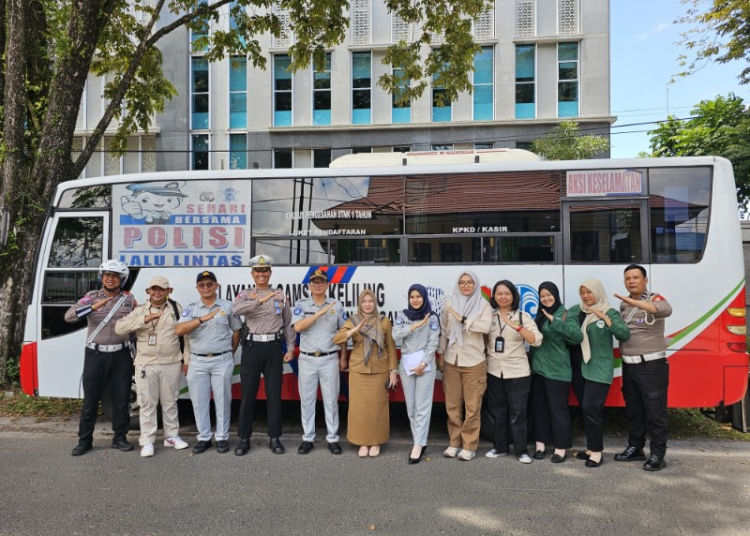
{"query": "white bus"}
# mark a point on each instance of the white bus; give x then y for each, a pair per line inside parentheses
(386, 227)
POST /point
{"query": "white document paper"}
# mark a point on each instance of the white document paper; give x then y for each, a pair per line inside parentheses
(412, 361)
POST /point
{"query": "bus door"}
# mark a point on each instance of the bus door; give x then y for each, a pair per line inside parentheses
(75, 245)
(600, 238)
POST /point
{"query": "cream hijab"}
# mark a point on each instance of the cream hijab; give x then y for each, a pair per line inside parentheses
(469, 306)
(602, 305)
(371, 331)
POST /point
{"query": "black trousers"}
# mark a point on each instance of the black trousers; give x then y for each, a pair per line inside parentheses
(257, 358)
(551, 412)
(591, 397)
(507, 400)
(100, 369)
(644, 387)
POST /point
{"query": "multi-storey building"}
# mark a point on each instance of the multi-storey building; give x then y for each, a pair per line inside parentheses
(541, 61)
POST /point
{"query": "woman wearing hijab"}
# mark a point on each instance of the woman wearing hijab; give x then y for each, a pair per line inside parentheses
(463, 324)
(417, 331)
(552, 373)
(593, 362)
(372, 371)
(508, 370)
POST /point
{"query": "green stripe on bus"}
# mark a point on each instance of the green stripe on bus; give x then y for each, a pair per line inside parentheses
(692, 327)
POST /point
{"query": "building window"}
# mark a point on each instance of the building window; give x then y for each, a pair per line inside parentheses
(321, 158)
(442, 147)
(525, 77)
(362, 88)
(282, 159)
(238, 151)
(233, 20)
(483, 85)
(322, 94)
(199, 98)
(441, 106)
(199, 33)
(400, 111)
(238, 92)
(282, 94)
(567, 80)
(479, 146)
(200, 151)
(402, 149)
(360, 150)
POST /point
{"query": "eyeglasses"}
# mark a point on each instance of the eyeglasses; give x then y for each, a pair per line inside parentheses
(466, 283)
(206, 285)
(317, 282)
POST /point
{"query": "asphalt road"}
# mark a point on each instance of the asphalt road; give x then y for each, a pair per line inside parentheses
(43, 490)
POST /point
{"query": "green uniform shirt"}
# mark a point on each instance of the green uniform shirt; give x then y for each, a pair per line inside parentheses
(601, 366)
(552, 359)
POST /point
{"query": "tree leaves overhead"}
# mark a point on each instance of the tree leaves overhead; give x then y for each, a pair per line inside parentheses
(566, 143)
(719, 127)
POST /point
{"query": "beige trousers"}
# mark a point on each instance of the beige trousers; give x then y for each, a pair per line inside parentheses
(156, 383)
(464, 388)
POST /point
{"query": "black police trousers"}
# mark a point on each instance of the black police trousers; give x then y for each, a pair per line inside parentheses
(257, 358)
(100, 369)
(644, 387)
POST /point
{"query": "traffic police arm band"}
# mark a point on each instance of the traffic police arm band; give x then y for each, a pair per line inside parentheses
(463, 320)
(84, 311)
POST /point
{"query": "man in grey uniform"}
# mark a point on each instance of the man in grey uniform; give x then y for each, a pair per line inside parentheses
(317, 319)
(214, 334)
(107, 355)
(645, 370)
(268, 318)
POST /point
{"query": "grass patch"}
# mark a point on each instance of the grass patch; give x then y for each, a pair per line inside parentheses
(42, 408)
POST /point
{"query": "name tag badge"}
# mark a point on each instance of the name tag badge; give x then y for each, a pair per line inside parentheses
(152, 339)
(499, 345)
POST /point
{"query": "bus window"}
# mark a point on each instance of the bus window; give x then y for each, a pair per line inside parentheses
(68, 287)
(294, 252)
(88, 197)
(482, 249)
(679, 205)
(77, 243)
(366, 251)
(605, 233)
(519, 202)
(518, 249)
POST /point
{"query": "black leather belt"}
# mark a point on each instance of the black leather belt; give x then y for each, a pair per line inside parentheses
(319, 354)
(213, 354)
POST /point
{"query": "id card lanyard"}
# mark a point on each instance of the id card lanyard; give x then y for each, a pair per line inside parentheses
(152, 333)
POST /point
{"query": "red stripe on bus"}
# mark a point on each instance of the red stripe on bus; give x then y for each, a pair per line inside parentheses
(28, 365)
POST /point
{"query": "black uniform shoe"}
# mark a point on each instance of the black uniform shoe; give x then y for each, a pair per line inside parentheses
(81, 449)
(539, 455)
(414, 461)
(592, 463)
(304, 448)
(630, 454)
(581, 455)
(556, 458)
(275, 445)
(243, 447)
(655, 463)
(222, 446)
(334, 447)
(202, 446)
(122, 444)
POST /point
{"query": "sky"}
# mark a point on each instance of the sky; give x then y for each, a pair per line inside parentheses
(643, 61)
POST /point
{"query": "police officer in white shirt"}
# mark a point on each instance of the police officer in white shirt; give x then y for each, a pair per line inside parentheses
(317, 319)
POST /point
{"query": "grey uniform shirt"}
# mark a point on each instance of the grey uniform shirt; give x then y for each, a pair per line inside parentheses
(107, 335)
(646, 329)
(319, 336)
(262, 318)
(215, 335)
(424, 338)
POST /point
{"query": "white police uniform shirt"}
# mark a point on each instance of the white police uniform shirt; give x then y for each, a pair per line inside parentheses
(215, 335)
(319, 336)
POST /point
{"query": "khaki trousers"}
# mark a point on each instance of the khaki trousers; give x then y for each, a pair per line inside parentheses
(464, 388)
(158, 383)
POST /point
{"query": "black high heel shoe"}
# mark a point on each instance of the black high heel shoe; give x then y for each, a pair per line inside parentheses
(413, 461)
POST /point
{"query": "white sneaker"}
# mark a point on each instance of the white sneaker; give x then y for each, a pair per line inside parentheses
(451, 452)
(147, 450)
(524, 458)
(175, 442)
(467, 455)
(494, 453)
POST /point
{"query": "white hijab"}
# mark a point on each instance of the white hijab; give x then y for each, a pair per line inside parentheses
(602, 305)
(469, 306)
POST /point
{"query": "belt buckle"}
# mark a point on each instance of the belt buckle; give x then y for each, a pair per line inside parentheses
(210, 354)
(317, 354)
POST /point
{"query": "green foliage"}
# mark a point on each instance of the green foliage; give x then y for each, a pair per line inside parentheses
(565, 143)
(720, 32)
(719, 127)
